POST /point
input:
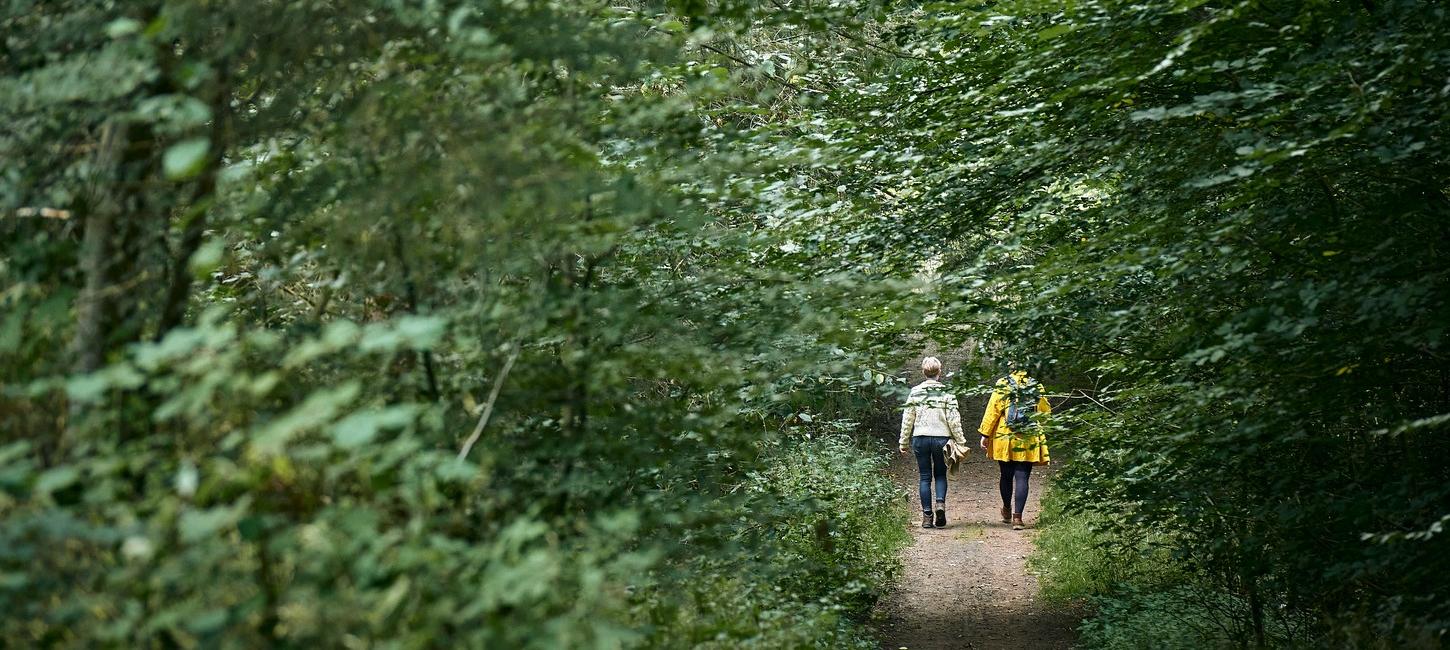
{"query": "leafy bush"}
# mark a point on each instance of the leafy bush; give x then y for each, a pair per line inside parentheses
(1186, 616)
(1176, 619)
(719, 610)
(1077, 560)
(844, 547)
(1137, 591)
(268, 264)
(825, 524)
(398, 324)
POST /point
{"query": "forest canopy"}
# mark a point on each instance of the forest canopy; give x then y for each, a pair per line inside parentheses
(571, 323)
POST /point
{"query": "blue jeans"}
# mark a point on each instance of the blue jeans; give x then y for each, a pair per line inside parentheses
(931, 462)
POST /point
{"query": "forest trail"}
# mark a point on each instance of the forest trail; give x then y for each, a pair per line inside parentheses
(967, 586)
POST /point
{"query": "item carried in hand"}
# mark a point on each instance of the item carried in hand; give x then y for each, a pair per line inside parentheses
(955, 454)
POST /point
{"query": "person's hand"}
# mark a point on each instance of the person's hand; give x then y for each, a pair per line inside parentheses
(983, 442)
(901, 450)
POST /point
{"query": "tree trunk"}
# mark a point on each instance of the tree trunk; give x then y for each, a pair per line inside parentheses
(95, 307)
(194, 212)
(1256, 611)
(430, 375)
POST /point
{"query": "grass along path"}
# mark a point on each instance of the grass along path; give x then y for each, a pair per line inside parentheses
(967, 585)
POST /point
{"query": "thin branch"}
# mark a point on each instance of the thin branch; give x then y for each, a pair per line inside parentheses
(1125, 353)
(882, 48)
(488, 406)
(1095, 401)
(43, 213)
(293, 292)
(774, 77)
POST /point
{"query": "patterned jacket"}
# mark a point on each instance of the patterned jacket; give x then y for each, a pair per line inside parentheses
(931, 411)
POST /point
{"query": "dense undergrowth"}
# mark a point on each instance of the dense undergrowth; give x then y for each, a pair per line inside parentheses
(810, 577)
(1132, 591)
(385, 324)
(485, 322)
(1229, 224)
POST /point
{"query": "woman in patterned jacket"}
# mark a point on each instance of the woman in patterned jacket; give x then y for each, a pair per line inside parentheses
(929, 420)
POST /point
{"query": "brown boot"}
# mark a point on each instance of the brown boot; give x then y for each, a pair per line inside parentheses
(1017, 522)
(926, 520)
(941, 515)
(1006, 515)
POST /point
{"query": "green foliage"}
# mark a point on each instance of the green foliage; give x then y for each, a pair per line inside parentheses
(1076, 560)
(267, 265)
(1224, 226)
(1139, 593)
(846, 548)
(815, 569)
(1179, 618)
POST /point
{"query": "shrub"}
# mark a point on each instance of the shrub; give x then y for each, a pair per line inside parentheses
(1077, 559)
(825, 524)
(846, 541)
(1139, 594)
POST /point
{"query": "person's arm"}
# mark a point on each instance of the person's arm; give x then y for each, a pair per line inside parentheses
(954, 421)
(990, 417)
(908, 424)
(1042, 405)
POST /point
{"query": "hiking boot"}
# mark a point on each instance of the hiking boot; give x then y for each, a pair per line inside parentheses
(926, 521)
(1017, 522)
(1006, 515)
(941, 516)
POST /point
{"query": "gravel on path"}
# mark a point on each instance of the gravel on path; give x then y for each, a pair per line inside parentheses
(967, 585)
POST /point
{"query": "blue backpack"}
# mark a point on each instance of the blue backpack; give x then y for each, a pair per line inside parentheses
(1022, 404)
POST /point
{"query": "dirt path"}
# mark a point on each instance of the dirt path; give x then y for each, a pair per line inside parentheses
(966, 586)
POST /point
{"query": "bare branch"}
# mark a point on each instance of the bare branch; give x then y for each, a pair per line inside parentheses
(44, 213)
(488, 406)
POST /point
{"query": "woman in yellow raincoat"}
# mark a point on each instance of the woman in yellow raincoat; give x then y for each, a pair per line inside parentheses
(1015, 451)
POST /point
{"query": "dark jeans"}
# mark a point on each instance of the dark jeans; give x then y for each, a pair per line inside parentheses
(930, 461)
(1014, 471)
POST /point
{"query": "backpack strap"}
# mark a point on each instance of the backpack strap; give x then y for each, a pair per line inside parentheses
(1012, 407)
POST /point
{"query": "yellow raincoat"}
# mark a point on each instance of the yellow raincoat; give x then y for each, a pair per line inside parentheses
(1002, 443)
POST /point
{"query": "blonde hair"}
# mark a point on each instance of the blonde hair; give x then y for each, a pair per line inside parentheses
(931, 367)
